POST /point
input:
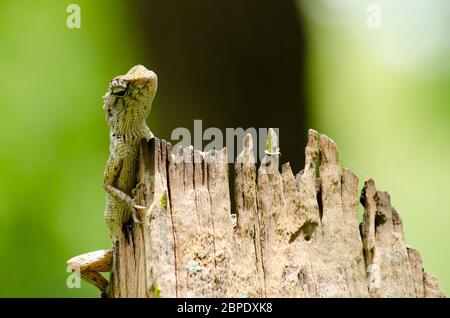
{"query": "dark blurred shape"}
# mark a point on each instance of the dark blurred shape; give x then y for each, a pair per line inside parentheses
(229, 63)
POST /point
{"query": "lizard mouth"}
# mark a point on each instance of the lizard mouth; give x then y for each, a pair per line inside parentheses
(147, 80)
(147, 91)
(147, 84)
(140, 73)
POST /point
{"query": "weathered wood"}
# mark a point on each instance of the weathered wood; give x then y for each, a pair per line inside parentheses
(290, 236)
(249, 280)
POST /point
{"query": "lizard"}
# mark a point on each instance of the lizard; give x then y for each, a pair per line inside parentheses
(127, 104)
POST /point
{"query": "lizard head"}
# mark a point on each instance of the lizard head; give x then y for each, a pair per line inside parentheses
(128, 100)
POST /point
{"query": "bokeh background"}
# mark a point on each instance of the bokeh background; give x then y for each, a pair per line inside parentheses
(383, 94)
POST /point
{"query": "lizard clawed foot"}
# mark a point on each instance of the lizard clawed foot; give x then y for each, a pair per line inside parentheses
(136, 210)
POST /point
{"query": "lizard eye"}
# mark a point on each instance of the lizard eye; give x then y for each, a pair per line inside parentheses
(118, 87)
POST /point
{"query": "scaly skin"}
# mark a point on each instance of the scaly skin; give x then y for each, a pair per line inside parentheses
(90, 265)
(127, 104)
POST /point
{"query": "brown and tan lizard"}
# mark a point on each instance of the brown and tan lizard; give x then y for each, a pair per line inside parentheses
(127, 104)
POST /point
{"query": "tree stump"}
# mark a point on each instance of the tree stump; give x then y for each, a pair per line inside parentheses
(290, 236)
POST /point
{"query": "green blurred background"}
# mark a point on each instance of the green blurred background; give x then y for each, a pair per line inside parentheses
(383, 94)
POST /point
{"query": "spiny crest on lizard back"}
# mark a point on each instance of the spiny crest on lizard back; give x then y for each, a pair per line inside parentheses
(129, 98)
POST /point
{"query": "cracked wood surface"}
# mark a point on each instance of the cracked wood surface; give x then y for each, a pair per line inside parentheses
(289, 236)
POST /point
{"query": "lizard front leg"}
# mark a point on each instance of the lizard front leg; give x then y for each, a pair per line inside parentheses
(112, 172)
(90, 265)
(114, 168)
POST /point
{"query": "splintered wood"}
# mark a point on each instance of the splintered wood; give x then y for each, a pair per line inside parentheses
(289, 236)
